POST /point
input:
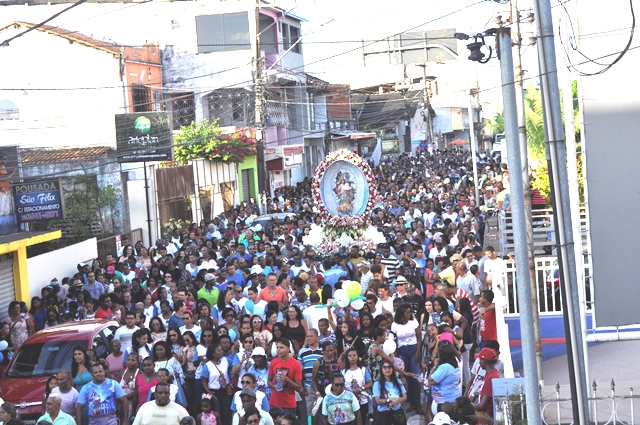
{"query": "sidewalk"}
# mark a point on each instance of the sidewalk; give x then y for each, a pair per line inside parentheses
(607, 361)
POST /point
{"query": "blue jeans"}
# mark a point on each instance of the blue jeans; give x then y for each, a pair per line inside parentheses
(408, 353)
(289, 411)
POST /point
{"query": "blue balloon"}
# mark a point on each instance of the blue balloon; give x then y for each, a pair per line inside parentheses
(1, 357)
(249, 306)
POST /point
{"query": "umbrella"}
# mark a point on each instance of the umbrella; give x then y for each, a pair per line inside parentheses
(459, 142)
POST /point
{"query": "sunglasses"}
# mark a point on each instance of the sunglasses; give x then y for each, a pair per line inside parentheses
(246, 382)
(248, 341)
(257, 321)
(339, 385)
(229, 315)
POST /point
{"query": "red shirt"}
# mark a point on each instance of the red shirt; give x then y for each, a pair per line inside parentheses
(292, 368)
(101, 313)
(488, 330)
(487, 391)
(280, 296)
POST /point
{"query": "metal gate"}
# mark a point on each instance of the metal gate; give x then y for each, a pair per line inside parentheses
(246, 184)
(7, 288)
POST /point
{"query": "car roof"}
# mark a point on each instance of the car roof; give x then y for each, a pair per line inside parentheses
(281, 216)
(70, 331)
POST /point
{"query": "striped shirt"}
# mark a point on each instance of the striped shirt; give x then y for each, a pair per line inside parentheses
(391, 264)
(307, 357)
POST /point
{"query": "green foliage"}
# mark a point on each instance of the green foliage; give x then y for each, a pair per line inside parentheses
(206, 140)
(175, 223)
(497, 124)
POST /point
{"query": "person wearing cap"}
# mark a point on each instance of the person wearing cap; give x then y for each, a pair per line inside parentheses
(209, 292)
(488, 360)
(441, 418)
(340, 406)
(438, 250)
(260, 370)
(364, 275)
(248, 382)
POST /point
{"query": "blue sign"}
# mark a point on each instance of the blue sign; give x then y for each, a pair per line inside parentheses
(38, 201)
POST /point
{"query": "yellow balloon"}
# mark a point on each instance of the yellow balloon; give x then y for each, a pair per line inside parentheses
(352, 288)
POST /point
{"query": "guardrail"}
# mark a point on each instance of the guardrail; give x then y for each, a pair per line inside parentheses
(548, 284)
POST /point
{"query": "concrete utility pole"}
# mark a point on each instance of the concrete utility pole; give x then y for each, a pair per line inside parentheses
(557, 160)
(426, 102)
(259, 134)
(524, 157)
(473, 142)
(518, 214)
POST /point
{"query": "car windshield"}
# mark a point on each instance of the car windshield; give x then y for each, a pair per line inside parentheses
(43, 359)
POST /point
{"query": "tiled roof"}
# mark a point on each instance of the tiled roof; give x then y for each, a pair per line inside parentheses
(71, 36)
(48, 156)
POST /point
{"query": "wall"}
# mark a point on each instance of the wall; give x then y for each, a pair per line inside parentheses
(65, 116)
(107, 172)
(44, 267)
(250, 162)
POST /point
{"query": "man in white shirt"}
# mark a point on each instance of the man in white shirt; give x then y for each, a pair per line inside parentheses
(494, 267)
(467, 281)
(68, 394)
(125, 333)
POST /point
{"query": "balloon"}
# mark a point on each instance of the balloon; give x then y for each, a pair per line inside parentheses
(352, 288)
(249, 306)
(341, 298)
(447, 180)
(389, 347)
(3, 345)
(233, 335)
(1, 357)
(357, 304)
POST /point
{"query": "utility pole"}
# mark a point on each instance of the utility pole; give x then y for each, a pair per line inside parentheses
(426, 102)
(524, 158)
(474, 143)
(519, 226)
(259, 134)
(557, 163)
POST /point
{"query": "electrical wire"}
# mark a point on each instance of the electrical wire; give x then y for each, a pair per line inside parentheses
(574, 47)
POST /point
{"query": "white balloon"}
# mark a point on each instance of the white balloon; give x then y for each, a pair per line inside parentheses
(389, 347)
(357, 304)
(3, 345)
(447, 180)
(341, 297)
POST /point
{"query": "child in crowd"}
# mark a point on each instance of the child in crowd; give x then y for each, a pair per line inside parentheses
(488, 329)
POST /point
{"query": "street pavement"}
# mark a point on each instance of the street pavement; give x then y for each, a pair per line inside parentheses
(607, 361)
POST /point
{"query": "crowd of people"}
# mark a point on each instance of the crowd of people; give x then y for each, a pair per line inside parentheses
(228, 322)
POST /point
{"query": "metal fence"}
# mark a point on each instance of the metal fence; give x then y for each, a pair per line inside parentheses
(610, 407)
(108, 245)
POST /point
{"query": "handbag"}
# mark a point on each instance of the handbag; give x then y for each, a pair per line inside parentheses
(399, 418)
(230, 389)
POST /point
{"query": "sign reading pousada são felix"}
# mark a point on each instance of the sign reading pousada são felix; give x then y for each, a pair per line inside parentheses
(38, 201)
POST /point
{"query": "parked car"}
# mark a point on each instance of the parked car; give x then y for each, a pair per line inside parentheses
(266, 220)
(47, 352)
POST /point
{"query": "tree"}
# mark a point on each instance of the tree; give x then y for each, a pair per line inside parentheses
(207, 140)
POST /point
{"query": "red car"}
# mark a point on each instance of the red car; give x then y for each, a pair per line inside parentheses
(47, 352)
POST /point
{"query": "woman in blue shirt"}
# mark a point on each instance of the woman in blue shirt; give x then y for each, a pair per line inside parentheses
(445, 377)
(389, 394)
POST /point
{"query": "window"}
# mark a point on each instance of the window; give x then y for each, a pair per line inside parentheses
(290, 35)
(141, 98)
(183, 109)
(222, 33)
(267, 35)
(43, 359)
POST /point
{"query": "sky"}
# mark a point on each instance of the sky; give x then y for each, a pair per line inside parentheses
(335, 27)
